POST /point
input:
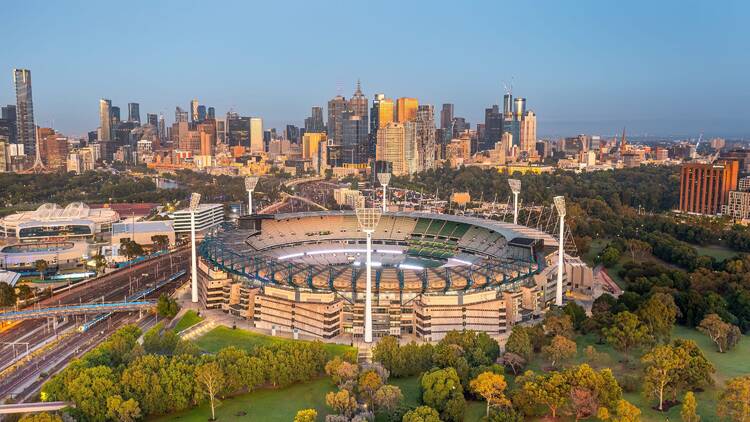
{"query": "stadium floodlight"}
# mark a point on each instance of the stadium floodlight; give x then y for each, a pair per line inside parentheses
(560, 205)
(368, 219)
(195, 199)
(384, 178)
(515, 187)
(250, 183)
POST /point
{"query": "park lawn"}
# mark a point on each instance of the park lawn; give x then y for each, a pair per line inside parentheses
(221, 337)
(189, 319)
(268, 405)
(719, 253)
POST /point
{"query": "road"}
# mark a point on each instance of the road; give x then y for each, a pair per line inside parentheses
(63, 336)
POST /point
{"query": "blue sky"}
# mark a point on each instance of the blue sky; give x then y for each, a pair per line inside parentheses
(657, 67)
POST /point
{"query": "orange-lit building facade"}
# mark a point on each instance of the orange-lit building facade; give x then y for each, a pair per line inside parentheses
(406, 109)
(704, 188)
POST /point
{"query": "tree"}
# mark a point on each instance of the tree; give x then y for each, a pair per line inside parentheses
(342, 402)
(7, 295)
(130, 248)
(627, 332)
(341, 371)
(557, 323)
(514, 362)
(211, 380)
(439, 389)
(41, 267)
(306, 415)
(100, 262)
(583, 402)
(560, 349)
(41, 417)
(664, 364)
(422, 414)
(386, 352)
(519, 342)
(659, 314)
(697, 371)
(689, 406)
(387, 398)
(123, 410)
(369, 383)
(241, 371)
(723, 334)
(590, 389)
(734, 400)
(610, 256)
(491, 387)
(638, 247)
(626, 412)
(160, 242)
(25, 292)
(167, 306)
(551, 390)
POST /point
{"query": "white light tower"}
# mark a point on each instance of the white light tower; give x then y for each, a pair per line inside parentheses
(195, 199)
(250, 183)
(368, 219)
(560, 205)
(384, 178)
(515, 187)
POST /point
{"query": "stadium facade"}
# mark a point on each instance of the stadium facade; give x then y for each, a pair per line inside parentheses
(50, 221)
(432, 273)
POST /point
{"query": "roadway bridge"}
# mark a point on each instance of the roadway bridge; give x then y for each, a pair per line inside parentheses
(87, 308)
(51, 406)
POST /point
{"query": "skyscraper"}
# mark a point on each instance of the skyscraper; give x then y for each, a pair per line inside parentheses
(391, 147)
(105, 119)
(528, 133)
(355, 142)
(358, 102)
(381, 113)
(152, 119)
(115, 113)
(180, 115)
(25, 128)
(292, 133)
(336, 108)
(256, 134)
(425, 137)
(134, 113)
(493, 128)
(406, 109)
(162, 128)
(201, 113)
(10, 117)
(315, 123)
(194, 110)
(446, 116)
(211, 113)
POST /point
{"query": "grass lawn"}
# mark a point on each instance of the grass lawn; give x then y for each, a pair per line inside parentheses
(268, 405)
(221, 337)
(719, 253)
(189, 319)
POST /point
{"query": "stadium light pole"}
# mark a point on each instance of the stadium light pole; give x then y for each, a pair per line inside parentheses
(195, 200)
(560, 205)
(368, 219)
(250, 183)
(515, 187)
(384, 178)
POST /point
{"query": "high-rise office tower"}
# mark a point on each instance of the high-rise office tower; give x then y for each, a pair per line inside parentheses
(238, 130)
(256, 134)
(391, 147)
(406, 109)
(519, 108)
(194, 110)
(201, 113)
(528, 133)
(425, 137)
(292, 133)
(105, 119)
(152, 119)
(134, 113)
(211, 113)
(355, 141)
(315, 123)
(180, 115)
(336, 108)
(704, 188)
(10, 117)
(115, 111)
(381, 113)
(25, 128)
(162, 128)
(446, 116)
(358, 102)
(508, 106)
(493, 128)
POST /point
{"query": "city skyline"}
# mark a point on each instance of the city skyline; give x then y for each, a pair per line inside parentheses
(674, 71)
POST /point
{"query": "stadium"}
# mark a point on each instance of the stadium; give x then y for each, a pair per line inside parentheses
(431, 273)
